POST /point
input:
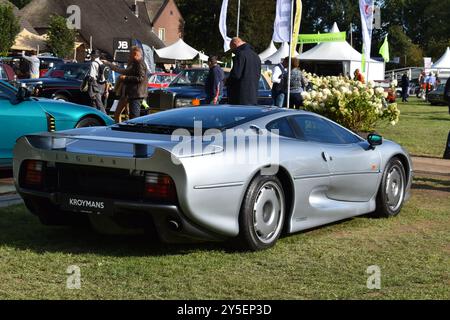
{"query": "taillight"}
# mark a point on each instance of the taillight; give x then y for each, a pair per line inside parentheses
(160, 188)
(34, 173)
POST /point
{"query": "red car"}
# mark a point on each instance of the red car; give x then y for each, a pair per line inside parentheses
(7, 73)
(160, 80)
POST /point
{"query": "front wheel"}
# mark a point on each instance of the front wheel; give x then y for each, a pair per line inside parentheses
(88, 122)
(391, 195)
(262, 214)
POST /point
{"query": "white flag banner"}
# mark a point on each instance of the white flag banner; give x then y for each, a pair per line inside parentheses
(282, 26)
(366, 7)
(223, 25)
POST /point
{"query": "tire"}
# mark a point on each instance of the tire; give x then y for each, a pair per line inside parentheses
(262, 215)
(391, 195)
(61, 97)
(89, 122)
(50, 215)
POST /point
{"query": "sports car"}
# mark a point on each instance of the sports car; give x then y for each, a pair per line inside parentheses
(21, 114)
(245, 174)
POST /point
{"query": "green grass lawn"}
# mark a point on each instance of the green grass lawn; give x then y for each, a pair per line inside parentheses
(328, 263)
(423, 129)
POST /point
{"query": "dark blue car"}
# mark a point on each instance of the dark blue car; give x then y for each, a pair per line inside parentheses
(188, 89)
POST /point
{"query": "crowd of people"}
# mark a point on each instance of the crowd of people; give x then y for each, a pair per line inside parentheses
(242, 83)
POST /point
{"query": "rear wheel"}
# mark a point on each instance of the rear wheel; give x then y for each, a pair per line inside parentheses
(391, 195)
(262, 214)
(88, 122)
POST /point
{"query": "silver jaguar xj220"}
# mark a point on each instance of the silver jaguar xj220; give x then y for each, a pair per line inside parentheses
(245, 174)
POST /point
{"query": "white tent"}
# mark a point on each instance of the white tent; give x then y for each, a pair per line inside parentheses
(180, 50)
(329, 52)
(444, 61)
(268, 52)
(278, 56)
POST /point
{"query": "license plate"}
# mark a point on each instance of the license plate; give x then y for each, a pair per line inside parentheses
(86, 204)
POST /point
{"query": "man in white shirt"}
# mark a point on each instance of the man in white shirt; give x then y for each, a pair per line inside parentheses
(278, 94)
(96, 88)
(35, 64)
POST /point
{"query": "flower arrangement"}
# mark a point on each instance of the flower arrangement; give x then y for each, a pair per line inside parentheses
(354, 105)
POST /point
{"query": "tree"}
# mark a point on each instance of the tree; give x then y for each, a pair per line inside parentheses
(9, 28)
(402, 46)
(61, 39)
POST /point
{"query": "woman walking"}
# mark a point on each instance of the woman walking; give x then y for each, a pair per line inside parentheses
(298, 85)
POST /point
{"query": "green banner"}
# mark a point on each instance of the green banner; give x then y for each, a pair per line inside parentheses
(324, 37)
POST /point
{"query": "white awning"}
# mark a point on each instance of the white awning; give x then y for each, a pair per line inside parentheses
(281, 53)
(444, 61)
(180, 50)
(268, 52)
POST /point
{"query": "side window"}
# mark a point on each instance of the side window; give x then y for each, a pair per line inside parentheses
(3, 75)
(283, 126)
(316, 130)
(346, 136)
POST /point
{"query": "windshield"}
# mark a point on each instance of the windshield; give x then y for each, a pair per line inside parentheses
(68, 71)
(194, 77)
(221, 118)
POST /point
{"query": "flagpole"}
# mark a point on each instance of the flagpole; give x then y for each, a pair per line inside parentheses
(290, 56)
(238, 18)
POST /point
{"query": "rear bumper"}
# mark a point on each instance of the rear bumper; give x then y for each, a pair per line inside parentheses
(170, 223)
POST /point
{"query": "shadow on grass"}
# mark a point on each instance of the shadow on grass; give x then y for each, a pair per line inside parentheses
(432, 184)
(21, 230)
(439, 119)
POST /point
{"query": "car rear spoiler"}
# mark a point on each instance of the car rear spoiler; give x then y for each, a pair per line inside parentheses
(141, 148)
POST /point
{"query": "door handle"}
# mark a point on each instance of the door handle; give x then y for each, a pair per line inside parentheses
(326, 157)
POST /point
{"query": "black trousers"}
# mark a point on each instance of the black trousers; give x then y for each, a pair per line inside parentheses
(296, 101)
(96, 94)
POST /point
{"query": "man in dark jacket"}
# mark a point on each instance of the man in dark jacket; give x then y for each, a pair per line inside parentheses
(405, 87)
(135, 78)
(243, 82)
(214, 82)
(447, 94)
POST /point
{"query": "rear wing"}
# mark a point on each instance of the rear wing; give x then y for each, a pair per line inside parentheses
(140, 148)
(58, 142)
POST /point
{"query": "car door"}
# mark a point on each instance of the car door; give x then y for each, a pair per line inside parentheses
(17, 119)
(354, 167)
(310, 172)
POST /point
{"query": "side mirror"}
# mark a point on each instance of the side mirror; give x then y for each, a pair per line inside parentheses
(375, 140)
(23, 93)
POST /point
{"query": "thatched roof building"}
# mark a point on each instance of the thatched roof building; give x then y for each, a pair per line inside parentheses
(103, 20)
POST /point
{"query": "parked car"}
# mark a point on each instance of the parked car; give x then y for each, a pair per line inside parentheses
(7, 73)
(21, 114)
(134, 174)
(47, 63)
(188, 89)
(436, 97)
(160, 80)
(21, 66)
(62, 82)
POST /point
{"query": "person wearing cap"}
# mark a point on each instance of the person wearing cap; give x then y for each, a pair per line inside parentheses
(214, 82)
(96, 89)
